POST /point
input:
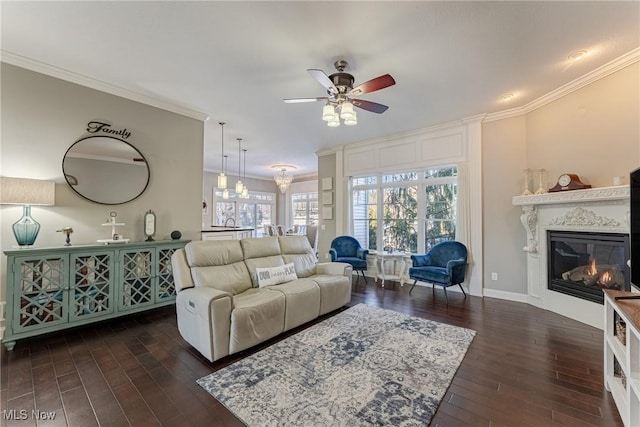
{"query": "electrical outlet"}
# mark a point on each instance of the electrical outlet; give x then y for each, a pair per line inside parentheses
(494, 276)
(326, 256)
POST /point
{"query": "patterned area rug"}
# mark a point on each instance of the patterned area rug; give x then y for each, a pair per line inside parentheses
(364, 366)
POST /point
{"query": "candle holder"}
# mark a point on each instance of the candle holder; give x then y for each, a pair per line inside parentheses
(525, 187)
(542, 182)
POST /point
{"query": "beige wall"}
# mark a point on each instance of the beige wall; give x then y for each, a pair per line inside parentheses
(42, 116)
(593, 132)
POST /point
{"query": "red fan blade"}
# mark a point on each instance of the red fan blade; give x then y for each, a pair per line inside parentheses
(374, 107)
(373, 85)
(324, 80)
(301, 100)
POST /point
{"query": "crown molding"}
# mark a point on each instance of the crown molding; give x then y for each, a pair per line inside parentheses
(454, 125)
(90, 82)
(605, 70)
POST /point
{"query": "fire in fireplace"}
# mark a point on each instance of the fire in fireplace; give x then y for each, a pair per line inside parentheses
(582, 264)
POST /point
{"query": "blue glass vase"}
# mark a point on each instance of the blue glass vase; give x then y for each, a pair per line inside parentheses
(26, 229)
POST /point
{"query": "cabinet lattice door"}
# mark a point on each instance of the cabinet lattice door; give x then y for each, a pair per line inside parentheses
(92, 285)
(166, 288)
(41, 300)
(137, 278)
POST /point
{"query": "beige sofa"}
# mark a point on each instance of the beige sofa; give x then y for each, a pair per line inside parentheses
(221, 308)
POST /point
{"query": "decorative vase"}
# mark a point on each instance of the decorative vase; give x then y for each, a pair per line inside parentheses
(26, 229)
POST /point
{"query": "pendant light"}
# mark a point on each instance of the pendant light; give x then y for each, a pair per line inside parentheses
(245, 190)
(239, 182)
(222, 178)
(225, 192)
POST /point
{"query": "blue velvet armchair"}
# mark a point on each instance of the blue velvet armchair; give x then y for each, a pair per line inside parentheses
(347, 249)
(445, 265)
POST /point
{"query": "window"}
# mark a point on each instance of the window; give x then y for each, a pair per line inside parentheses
(416, 209)
(254, 212)
(304, 208)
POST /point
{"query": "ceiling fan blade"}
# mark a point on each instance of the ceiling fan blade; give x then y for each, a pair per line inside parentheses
(301, 100)
(324, 80)
(374, 107)
(373, 85)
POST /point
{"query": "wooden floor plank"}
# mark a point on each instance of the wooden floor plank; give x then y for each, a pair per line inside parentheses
(526, 366)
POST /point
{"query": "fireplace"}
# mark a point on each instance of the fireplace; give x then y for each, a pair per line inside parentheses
(582, 264)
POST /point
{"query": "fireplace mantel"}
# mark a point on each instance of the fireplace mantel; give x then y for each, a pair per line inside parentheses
(604, 209)
(578, 217)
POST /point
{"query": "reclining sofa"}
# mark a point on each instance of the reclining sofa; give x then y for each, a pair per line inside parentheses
(227, 300)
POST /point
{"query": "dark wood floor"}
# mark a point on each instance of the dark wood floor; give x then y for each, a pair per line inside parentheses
(525, 367)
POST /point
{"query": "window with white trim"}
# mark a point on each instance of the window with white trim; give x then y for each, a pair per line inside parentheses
(407, 211)
(253, 212)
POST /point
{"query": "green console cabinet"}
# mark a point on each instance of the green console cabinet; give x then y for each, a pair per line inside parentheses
(57, 288)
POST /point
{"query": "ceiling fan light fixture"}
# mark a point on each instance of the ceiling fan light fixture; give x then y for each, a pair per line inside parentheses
(334, 123)
(328, 113)
(346, 110)
(353, 120)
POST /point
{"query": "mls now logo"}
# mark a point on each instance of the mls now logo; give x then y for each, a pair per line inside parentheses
(23, 414)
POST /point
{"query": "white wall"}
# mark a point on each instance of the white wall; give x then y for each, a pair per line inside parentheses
(43, 116)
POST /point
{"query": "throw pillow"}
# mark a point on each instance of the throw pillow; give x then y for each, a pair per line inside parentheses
(275, 275)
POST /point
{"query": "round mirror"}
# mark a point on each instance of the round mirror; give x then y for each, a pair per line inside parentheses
(105, 170)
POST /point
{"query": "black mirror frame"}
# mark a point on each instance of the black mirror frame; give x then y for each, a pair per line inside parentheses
(70, 178)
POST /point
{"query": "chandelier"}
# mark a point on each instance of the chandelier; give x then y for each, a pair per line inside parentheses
(283, 180)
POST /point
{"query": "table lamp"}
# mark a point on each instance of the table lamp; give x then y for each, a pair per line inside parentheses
(26, 192)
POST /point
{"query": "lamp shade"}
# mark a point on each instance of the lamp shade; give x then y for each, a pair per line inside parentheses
(24, 191)
(346, 110)
(353, 120)
(328, 113)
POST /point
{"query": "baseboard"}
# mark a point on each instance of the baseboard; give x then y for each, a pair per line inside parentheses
(510, 296)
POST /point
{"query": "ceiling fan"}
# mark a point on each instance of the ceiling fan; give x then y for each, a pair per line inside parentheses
(340, 91)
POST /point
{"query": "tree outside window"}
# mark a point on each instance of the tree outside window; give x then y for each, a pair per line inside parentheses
(405, 198)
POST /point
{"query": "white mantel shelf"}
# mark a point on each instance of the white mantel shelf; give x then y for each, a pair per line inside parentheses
(620, 192)
(598, 210)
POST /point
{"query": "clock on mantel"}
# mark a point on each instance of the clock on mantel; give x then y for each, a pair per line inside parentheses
(568, 181)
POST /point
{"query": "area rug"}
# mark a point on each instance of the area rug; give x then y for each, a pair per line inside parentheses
(364, 366)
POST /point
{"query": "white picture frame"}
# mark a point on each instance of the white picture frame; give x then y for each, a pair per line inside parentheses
(327, 212)
(327, 183)
(327, 198)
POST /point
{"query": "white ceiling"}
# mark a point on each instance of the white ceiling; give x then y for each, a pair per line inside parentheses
(236, 61)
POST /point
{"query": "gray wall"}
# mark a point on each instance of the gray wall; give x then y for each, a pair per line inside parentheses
(503, 161)
(327, 228)
(43, 116)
